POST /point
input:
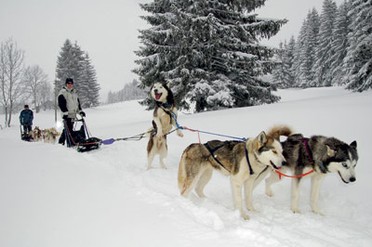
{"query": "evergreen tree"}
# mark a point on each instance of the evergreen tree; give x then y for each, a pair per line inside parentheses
(308, 43)
(289, 58)
(340, 43)
(158, 41)
(208, 51)
(278, 72)
(297, 61)
(68, 65)
(284, 74)
(324, 49)
(358, 60)
(74, 63)
(89, 90)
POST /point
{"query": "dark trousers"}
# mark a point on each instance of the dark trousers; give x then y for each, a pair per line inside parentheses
(69, 124)
(27, 128)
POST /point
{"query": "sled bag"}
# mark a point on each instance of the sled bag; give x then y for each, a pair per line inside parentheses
(89, 144)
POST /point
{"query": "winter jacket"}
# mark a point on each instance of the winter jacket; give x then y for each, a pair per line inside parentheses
(68, 102)
(26, 117)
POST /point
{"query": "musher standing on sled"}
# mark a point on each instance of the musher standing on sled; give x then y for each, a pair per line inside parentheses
(25, 118)
(69, 104)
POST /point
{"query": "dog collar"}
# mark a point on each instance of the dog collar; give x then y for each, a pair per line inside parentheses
(165, 105)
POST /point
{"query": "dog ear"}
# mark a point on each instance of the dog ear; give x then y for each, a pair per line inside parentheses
(170, 97)
(353, 144)
(330, 151)
(262, 138)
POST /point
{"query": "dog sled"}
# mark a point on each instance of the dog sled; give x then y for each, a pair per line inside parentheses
(80, 137)
(25, 135)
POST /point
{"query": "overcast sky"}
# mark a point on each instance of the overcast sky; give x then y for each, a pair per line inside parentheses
(107, 30)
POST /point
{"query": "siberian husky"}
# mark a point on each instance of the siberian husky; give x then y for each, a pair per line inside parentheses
(164, 117)
(243, 161)
(320, 156)
(36, 134)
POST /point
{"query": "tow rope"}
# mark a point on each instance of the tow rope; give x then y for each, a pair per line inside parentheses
(178, 126)
(130, 138)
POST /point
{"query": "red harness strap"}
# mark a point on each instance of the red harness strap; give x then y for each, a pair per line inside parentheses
(293, 176)
(192, 130)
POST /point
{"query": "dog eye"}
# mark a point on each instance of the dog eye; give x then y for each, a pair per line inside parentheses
(263, 149)
(344, 165)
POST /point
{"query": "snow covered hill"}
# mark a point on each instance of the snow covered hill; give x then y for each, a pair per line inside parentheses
(52, 196)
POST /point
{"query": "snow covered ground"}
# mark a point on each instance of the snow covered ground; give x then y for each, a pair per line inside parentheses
(52, 196)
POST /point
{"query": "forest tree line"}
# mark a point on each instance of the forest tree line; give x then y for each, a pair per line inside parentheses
(130, 91)
(333, 48)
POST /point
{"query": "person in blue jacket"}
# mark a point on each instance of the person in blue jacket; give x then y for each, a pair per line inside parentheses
(25, 118)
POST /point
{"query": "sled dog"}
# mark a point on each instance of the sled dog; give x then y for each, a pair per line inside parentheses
(320, 155)
(243, 161)
(164, 117)
(36, 134)
(50, 135)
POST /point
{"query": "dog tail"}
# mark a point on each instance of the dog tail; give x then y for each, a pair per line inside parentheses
(279, 130)
(183, 185)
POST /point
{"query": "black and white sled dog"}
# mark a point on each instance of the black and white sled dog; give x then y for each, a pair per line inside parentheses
(164, 117)
(320, 156)
(243, 161)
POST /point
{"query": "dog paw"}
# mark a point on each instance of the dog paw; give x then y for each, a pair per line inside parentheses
(269, 193)
(296, 211)
(245, 216)
(318, 212)
(200, 194)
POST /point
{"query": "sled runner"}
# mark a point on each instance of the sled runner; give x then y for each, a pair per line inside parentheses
(81, 138)
(25, 136)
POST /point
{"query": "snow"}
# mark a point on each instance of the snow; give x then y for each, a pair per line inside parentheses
(55, 196)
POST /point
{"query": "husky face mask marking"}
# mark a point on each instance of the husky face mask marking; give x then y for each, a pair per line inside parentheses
(344, 162)
(270, 151)
(159, 92)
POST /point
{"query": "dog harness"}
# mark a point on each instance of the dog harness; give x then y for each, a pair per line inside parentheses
(322, 168)
(305, 142)
(213, 150)
(167, 108)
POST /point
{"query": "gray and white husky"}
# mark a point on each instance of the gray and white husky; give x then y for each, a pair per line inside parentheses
(320, 155)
